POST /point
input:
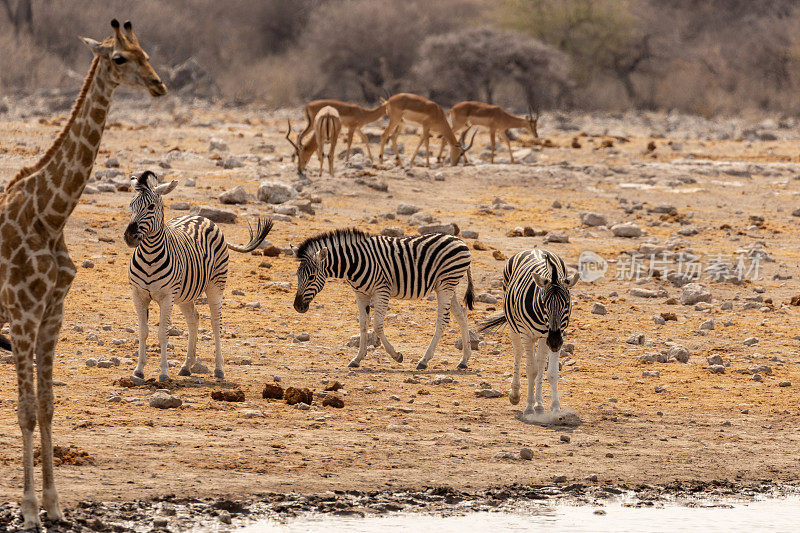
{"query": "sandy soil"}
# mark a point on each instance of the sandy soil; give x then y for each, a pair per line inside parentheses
(702, 427)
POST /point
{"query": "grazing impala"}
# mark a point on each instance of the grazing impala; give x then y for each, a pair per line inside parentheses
(353, 117)
(493, 117)
(327, 126)
(430, 116)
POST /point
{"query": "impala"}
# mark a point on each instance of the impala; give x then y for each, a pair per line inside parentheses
(493, 117)
(353, 117)
(429, 115)
(327, 126)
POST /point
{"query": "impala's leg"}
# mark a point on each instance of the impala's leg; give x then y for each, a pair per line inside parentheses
(443, 299)
(214, 295)
(504, 135)
(422, 139)
(381, 306)
(461, 317)
(349, 142)
(529, 347)
(321, 154)
(393, 122)
(552, 377)
(427, 151)
(332, 153)
(366, 142)
(141, 301)
(164, 320)
(362, 300)
(516, 344)
(441, 150)
(491, 137)
(395, 134)
(192, 319)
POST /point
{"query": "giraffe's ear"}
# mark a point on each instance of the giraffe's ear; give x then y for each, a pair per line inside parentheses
(166, 188)
(97, 48)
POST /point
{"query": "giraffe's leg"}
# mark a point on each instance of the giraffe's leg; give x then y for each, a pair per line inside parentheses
(516, 344)
(164, 321)
(363, 324)
(381, 305)
(461, 317)
(23, 334)
(504, 135)
(366, 142)
(215, 309)
(192, 319)
(529, 347)
(443, 300)
(141, 301)
(552, 377)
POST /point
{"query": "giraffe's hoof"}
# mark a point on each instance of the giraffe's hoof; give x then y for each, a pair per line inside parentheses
(185, 372)
(462, 366)
(354, 364)
(163, 377)
(138, 374)
(219, 374)
(422, 365)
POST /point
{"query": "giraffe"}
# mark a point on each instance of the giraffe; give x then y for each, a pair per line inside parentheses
(35, 268)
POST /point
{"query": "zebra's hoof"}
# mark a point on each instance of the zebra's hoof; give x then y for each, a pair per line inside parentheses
(422, 365)
(354, 364)
(138, 374)
(462, 366)
(185, 372)
(399, 358)
(219, 374)
(163, 377)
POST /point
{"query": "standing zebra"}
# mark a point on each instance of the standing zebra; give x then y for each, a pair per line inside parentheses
(174, 262)
(379, 268)
(536, 306)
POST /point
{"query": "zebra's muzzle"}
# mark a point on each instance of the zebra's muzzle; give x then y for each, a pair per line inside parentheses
(132, 238)
(554, 340)
(299, 305)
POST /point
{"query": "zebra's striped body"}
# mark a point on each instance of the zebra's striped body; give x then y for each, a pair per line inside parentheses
(379, 268)
(536, 306)
(175, 263)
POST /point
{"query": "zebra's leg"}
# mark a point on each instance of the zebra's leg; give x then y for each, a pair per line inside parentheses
(141, 302)
(362, 300)
(534, 404)
(192, 318)
(214, 295)
(516, 344)
(461, 317)
(381, 301)
(164, 319)
(552, 377)
(540, 361)
(443, 299)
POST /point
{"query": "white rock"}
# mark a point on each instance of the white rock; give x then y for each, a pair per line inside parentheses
(627, 230)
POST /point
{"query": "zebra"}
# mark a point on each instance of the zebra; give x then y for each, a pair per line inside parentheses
(536, 306)
(380, 267)
(173, 263)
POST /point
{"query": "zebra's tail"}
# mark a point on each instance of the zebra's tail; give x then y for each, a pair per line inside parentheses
(493, 323)
(5, 344)
(469, 297)
(263, 228)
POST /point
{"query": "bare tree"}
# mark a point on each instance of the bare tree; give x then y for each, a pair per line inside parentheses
(20, 15)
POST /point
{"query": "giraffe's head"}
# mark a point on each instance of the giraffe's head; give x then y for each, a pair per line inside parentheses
(147, 208)
(128, 63)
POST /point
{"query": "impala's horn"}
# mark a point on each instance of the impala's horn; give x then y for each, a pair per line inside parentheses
(297, 148)
(464, 137)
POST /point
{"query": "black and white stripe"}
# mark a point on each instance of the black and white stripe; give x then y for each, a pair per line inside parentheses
(175, 263)
(536, 307)
(379, 268)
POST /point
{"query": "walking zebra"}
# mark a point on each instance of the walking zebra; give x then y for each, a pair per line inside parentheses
(536, 306)
(379, 268)
(174, 262)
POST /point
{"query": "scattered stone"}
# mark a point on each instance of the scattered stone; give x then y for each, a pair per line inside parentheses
(659, 320)
(87, 263)
(200, 368)
(91, 362)
(333, 400)
(214, 214)
(272, 392)
(217, 145)
(714, 359)
(302, 337)
(526, 454)
(114, 398)
(639, 292)
(488, 393)
(750, 341)
(557, 237)
(757, 377)
(420, 218)
(653, 357)
(592, 219)
(499, 256)
(694, 293)
(237, 195)
(785, 384)
(274, 193)
(303, 406)
(627, 230)
(407, 209)
(680, 353)
(660, 388)
(252, 413)
(636, 338)
(565, 438)
(440, 379)
(372, 339)
(599, 309)
(669, 315)
(469, 234)
(392, 231)
(708, 324)
(162, 399)
(181, 206)
(474, 341)
(447, 229)
(487, 298)
(716, 369)
(226, 395)
(333, 387)
(651, 374)
(293, 395)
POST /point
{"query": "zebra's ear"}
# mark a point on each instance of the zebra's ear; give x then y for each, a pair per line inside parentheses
(321, 255)
(541, 282)
(570, 282)
(166, 188)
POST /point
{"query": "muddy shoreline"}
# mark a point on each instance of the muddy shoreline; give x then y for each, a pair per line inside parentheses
(170, 513)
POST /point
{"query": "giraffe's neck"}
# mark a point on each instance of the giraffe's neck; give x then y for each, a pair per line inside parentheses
(63, 177)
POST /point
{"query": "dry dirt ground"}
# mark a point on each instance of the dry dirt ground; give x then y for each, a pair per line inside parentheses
(394, 434)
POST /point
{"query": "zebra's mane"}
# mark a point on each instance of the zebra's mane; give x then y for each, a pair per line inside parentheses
(344, 234)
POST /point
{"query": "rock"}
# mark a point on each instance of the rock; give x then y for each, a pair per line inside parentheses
(333, 400)
(471, 234)
(785, 384)
(556, 204)
(225, 516)
(114, 398)
(392, 231)
(694, 293)
(87, 263)
(180, 206)
(302, 337)
(237, 195)
(560, 479)
(636, 338)
(528, 231)
(447, 229)
(669, 315)
(474, 341)
(565, 438)
(293, 396)
(158, 522)
(526, 454)
(648, 293)
(651, 374)
(162, 399)
(199, 368)
(333, 387)
(592, 219)
(91, 362)
(659, 320)
(214, 214)
(217, 145)
(556, 236)
(487, 298)
(252, 413)
(516, 232)
(750, 341)
(680, 353)
(660, 388)
(627, 230)
(274, 193)
(678, 280)
(407, 209)
(303, 406)
(716, 369)
(104, 364)
(599, 309)
(498, 255)
(111, 162)
(419, 218)
(441, 378)
(714, 359)
(190, 182)
(227, 395)
(304, 205)
(653, 357)
(757, 377)
(272, 392)
(488, 393)
(708, 324)
(372, 339)
(174, 331)
(286, 209)
(232, 162)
